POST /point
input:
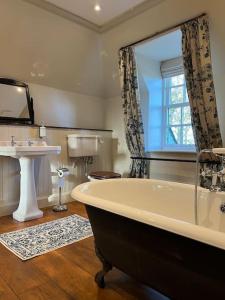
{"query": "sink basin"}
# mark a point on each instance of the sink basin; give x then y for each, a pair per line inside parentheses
(22, 148)
(26, 152)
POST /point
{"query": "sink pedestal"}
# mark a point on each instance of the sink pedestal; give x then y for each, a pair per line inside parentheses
(28, 207)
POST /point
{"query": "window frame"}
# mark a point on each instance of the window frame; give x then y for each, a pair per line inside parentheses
(165, 125)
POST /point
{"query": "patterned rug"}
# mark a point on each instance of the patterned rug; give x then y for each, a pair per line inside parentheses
(39, 239)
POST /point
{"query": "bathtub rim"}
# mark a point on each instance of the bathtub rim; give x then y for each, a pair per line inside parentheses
(192, 231)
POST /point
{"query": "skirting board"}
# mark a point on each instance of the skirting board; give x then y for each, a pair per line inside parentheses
(8, 209)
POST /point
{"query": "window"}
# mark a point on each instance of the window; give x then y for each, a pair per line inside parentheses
(163, 95)
(177, 133)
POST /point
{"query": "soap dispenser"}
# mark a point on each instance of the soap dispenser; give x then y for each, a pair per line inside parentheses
(42, 130)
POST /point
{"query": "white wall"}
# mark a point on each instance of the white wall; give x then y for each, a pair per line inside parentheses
(114, 119)
(40, 47)
(67, 109)
(148, 74)
(160, 17)
(60, 60)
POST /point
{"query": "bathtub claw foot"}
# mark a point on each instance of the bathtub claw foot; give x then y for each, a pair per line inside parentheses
(106, 267)
(100, 276)
(99, 279)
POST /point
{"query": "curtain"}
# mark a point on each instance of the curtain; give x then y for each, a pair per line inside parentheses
(201, 92)
(199, 80)
(134, 129)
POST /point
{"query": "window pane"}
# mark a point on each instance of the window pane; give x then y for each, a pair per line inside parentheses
(177, 80)
(188, 138)
(174, 116)
(176, 95)
(173, 135)
(186, 115)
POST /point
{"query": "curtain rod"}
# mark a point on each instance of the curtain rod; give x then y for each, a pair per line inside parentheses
(161, 32)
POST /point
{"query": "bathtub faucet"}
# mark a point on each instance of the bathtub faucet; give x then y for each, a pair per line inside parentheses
(215, 175)
(217, 178)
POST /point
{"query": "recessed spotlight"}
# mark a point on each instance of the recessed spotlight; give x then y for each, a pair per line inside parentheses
(19, 90)
(97, 7)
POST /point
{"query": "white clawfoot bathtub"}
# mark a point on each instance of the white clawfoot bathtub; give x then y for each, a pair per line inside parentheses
(163, 204)
(146, 229)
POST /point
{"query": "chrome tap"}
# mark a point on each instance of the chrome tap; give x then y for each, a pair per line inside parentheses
(30, 143)
(218, 178)
(208, 173)
(215, 187)
(215, 175)
(13, 143)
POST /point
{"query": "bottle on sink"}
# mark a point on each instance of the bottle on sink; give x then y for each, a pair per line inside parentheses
(42, 130)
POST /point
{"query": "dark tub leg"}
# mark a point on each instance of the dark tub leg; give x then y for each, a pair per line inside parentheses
(106, 267)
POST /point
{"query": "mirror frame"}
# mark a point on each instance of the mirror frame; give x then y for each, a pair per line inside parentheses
(11, 120)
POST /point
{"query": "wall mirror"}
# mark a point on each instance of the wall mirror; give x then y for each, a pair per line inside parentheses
(16, 105)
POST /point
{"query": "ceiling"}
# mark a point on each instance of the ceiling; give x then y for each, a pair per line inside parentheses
(110, 9)
(162, 48)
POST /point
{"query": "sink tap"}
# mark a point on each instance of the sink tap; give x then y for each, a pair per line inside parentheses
(30, 143)
(13, 143)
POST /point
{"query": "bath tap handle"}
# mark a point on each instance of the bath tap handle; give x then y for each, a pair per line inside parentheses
(215, 188)
(214, 178)
(222, 172)
(206, 173)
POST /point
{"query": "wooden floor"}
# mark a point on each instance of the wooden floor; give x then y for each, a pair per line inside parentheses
(67, 273)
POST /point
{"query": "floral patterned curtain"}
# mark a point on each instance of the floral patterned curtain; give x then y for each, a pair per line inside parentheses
(132, 113)
(199, 80)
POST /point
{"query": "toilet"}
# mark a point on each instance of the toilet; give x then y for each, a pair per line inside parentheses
(101, 175)
(83, 145)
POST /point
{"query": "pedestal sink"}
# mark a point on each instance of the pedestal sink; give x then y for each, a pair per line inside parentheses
(26, 152)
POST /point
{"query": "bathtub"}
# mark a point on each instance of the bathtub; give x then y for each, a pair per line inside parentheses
(146, 229)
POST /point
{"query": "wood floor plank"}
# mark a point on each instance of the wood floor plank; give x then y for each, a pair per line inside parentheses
(130, 288)
(46, 291)
(5, 292)
(17, 274)
(82, 255)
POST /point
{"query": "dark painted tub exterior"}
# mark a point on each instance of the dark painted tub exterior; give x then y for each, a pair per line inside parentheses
(178, 267)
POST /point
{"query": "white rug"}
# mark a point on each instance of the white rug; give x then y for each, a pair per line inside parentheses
(39, 239)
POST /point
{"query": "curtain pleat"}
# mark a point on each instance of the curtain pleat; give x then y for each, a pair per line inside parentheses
(134, 129)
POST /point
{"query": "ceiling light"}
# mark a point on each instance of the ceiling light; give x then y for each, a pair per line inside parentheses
(97, 7)
(19, 90)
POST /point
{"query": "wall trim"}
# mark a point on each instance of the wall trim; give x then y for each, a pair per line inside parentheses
(147, 4)
(63, 13)
(129, 14)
